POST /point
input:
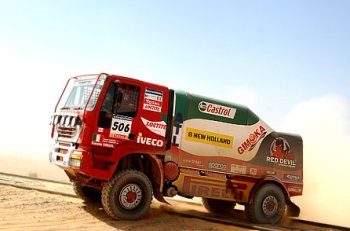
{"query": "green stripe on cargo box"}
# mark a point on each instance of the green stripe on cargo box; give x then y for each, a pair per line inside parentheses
(201, 107)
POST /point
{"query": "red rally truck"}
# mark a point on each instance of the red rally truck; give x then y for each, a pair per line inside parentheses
(123, 141)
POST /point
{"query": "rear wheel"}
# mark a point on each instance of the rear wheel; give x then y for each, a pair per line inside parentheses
(218, 206)
(269, 205)
(127, 195)
(88, 194)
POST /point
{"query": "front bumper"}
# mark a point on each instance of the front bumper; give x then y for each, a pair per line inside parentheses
(66, 156)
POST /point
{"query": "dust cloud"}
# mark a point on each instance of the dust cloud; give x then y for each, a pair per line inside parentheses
(324, 124)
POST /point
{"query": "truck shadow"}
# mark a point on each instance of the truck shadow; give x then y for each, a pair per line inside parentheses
(158, 218)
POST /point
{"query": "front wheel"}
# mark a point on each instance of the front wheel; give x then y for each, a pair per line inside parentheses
(127, 195)
(269, 205)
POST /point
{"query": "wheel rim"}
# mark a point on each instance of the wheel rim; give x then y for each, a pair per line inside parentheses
(130, 196)
(270, 206)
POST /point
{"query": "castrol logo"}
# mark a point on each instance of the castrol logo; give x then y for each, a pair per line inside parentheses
(217, 110)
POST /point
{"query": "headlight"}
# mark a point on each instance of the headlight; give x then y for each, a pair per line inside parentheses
(75, 163)
(75, 159)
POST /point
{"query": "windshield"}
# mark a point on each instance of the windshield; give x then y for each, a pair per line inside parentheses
(78, 91)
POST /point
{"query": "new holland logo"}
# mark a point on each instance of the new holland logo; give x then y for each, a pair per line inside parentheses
(217, 110)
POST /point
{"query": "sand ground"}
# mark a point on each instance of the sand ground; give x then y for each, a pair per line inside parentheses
(32, 210)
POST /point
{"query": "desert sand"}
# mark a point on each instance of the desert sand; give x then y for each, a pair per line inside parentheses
(32, 210)
(22, 209)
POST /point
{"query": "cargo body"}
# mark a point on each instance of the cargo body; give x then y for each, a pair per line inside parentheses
(123, 140)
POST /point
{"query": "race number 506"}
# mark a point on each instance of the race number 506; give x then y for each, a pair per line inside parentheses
(121, 127)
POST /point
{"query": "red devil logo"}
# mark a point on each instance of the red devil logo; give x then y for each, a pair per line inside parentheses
(280, 148)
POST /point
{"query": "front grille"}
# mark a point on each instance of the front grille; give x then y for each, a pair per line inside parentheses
(66, 133)
(67, 126)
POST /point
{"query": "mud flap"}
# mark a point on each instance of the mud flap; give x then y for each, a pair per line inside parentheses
(159, 196)
(292, 209)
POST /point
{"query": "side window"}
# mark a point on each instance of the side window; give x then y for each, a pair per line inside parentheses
(121, 99)
(105, 115)
(128, 100)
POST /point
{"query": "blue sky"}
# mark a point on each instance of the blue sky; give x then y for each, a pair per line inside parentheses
(282, 52)
(287, 60)
(269, 55)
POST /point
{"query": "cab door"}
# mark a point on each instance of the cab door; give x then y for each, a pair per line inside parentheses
(117, 119)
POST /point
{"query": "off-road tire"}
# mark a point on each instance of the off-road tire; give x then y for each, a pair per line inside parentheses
(113, 201)
(218, 206)
(87, 194)
(269, 205)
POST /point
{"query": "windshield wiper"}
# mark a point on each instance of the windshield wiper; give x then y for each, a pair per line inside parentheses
(73, 108)
(77, 108)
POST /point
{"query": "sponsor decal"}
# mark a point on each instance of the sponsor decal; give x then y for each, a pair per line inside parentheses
(210, 138)
(213, 188)
(150, 141)
(153, 100)
(99, 140)
(217, 110)
(280, 148)
(253, 171)
(292, 177)
(218, 166)
(196, 162)
(158, 127)
(280, 153)
(239, 169)
(100, 129)
(121, 127)
(268, 172)
(253, 138)
(111, 141)
(103, 144)
(96, 137)
(177, 131)
(294, 189)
